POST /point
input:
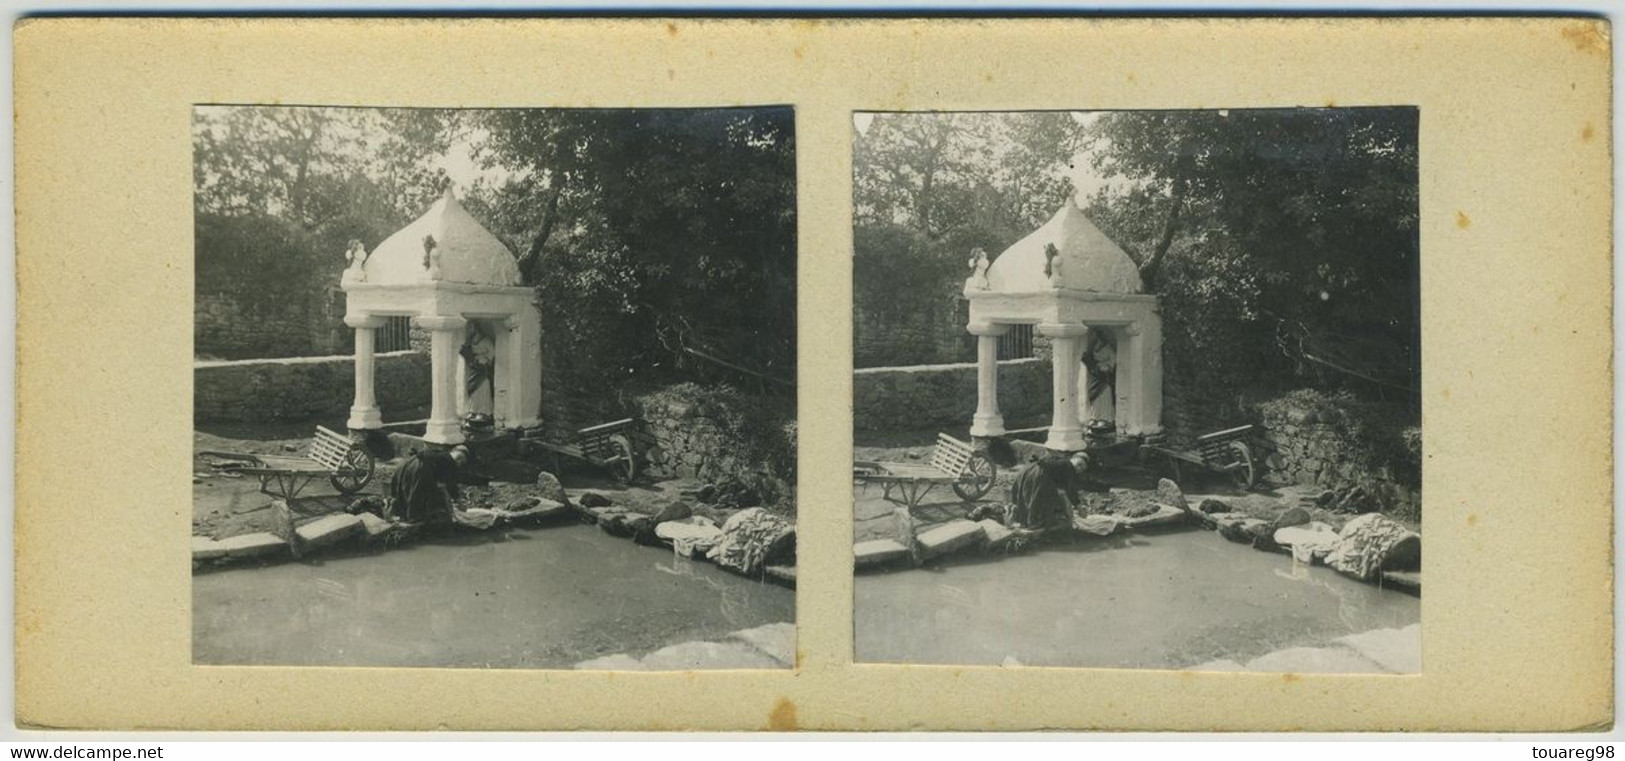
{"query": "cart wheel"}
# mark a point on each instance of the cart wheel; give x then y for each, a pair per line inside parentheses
(1245, 472)
(355, 473)
(980, 472)
(623, 464)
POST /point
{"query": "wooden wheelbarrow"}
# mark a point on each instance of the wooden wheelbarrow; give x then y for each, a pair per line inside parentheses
(1229, 452)
(622, 448)
(332, 455)
(953, 462)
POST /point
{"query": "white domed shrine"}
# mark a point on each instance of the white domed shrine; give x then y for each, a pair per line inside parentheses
(459, 281)
(1082, 291)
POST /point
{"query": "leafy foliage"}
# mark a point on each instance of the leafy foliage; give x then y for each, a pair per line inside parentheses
(930, 188)
(1289, 236)
(680, 223)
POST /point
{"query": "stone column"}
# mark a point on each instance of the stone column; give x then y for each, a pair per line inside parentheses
(1066, 344)
(1126, 403)
(445, 337)
(1148, 377)
(1081, 382)
(524, 355)
(987, 421)
(364, 412)
(502, 402)
(461, 392)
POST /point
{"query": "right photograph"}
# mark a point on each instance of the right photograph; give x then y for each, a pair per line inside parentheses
(1138, 389)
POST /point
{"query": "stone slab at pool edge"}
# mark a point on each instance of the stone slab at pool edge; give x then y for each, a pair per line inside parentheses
(1379, 651)
(772, 646)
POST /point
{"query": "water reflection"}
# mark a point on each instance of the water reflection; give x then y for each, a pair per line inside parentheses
(547, 597)
(1148, 601)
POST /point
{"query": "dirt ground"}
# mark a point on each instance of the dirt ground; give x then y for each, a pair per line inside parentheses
(1131, 487)
(226, 504)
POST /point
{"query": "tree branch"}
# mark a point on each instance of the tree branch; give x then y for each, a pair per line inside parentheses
(1148, 269)
(528, 262)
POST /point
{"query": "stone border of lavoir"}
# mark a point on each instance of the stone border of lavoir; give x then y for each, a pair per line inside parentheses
(918, 544)
(688, 535)
(764, 647)
(1380, 651)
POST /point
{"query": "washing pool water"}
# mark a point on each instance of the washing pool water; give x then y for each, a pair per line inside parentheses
(525, 598)
(1170, 600)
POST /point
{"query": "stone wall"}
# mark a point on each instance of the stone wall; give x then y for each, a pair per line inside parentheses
(934, 333)
(303, 388)
(709, 432)
(1360, 464)
(297, 323)
(1193, 405)
(943, 397)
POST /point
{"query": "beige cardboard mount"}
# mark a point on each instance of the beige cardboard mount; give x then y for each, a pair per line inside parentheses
(1515, 239)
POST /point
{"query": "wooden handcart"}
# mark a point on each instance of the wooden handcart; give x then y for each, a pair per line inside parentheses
(952, 462)
(332, 455)
(1229, 452)
(622, 448)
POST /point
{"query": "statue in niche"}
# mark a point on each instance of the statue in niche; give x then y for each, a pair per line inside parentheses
(978, 264)
(355, 258)
(1052, 265)
(431, 257)
(1100, 360)
(479, 358)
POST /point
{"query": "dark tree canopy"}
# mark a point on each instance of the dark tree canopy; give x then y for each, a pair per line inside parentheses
(681, 221)
(1298, 224)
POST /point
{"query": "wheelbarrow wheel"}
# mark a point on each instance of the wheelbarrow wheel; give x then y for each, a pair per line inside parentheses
(623, 463)
(355, 473)
(978, 478)
(1244, 472)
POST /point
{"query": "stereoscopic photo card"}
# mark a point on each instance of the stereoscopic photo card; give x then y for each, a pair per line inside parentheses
(814, 374)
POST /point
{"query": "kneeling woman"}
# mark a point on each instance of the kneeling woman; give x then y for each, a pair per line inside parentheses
(424, 489)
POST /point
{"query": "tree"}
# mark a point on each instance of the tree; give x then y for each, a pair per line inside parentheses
(681, 222)
(316, 166)
(930, 188)
(965, 175)
(1302, 222)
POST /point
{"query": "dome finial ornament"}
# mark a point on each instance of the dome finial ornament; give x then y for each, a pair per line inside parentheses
(356, 262)
(978, 264)
(431, 258)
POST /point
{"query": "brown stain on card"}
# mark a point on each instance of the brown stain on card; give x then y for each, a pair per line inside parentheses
(1587, 37)
(1587, 133)
(1462, 220)
(783, 716)
(671, 29)
(1472, 519)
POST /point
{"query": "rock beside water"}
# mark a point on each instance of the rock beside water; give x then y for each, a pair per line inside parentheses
(948, 537)
(550, 488)
(1169, 493)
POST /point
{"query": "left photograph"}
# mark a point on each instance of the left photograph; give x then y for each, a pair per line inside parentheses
(507, 388)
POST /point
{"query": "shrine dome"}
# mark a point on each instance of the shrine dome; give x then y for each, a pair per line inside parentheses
(469, 253)
(1090, 261)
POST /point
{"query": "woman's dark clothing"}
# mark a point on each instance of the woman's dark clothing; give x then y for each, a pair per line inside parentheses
(1045, 491)
(416, 487)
